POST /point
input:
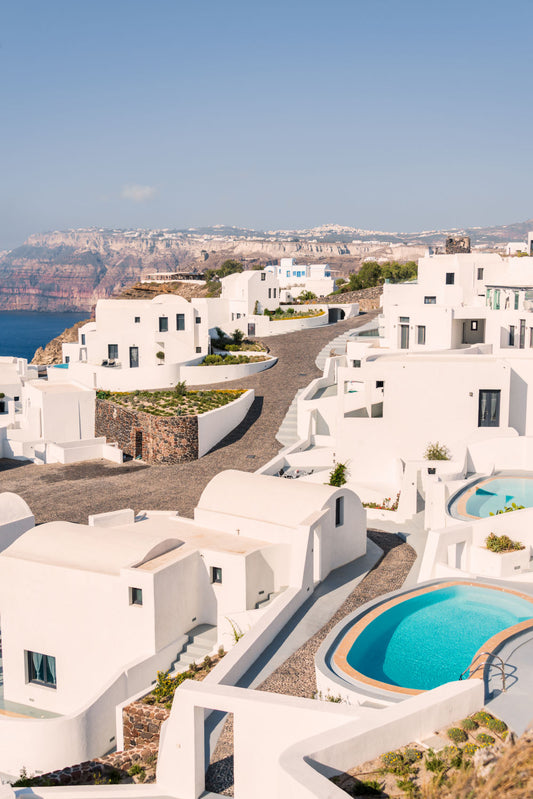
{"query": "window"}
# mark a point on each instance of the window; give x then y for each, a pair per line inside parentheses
(41, 669)
(134, 357)
(511, 335)
(357, 364)
(270, 294)
(274, 293)
(163, 324)
(380, 384)
(516, 300)
(83, 339)
(522, 340)
(450, 278)
(288, 273)
(112, 351)
(16, 399)
(136, 596)
(480, 273)
(198, 320)
(137, 320)
(474, 324)
(496, 305)
(198, 349)
(489, 408)
(180, 321)
(531, 336)
(339, 511)
(404, 319)
(421, 334)
(216, 574)
(430, 300)
(263, 276)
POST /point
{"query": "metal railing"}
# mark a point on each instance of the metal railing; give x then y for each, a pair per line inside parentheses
(501, 666)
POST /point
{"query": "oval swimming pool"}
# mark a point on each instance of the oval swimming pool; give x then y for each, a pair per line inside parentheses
(428, 638)
(484, 497)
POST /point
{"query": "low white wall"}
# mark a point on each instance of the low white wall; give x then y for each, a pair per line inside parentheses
(73, 451)
(500, 453)
(117, 378)
(214, 425)
(265, 327)
(206, 375)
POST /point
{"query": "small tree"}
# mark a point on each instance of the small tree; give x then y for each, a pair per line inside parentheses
(337, 477)
(180, 389)
(437, 452)
(238, 336)
(305, 296)
(160, 355)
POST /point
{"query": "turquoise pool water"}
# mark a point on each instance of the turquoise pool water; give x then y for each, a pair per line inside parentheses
(61, 366)
(431, 638)
(498, 493)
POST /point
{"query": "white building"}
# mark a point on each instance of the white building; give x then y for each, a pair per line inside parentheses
(107, 605)
(47, 421)
(294, 278)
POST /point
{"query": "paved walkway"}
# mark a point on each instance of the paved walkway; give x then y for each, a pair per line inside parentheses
(75, 491)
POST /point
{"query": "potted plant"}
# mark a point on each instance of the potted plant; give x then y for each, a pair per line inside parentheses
(161, 357)
(500, 557)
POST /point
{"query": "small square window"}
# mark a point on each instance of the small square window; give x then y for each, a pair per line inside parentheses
(198, 320)
(430, 300)
(137, 320)
(136, 596)
(480, 273)
(41, 669)
(216, 574)
(450, 278)
(17, 399)
(404, 319)
(263, 276)
(380, 383)
(198, 349)
(357, 364)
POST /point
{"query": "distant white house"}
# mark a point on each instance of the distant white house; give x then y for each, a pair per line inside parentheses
(294, 278)
(106, 605)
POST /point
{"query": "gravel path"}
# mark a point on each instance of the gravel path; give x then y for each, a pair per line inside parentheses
(296, 676)
(73, 492)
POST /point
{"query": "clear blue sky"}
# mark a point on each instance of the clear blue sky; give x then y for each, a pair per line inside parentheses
(384, 114)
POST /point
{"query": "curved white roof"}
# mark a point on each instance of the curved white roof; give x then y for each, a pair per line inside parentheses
(99, 549)
(13, 508)
(264, 497)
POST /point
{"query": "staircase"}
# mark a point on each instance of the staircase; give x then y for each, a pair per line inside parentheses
(338, 345)
(270, 598)
(288, 431)
(202, 640)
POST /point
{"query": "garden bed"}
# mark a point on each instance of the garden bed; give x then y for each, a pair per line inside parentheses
(172, 403)
(417, 771)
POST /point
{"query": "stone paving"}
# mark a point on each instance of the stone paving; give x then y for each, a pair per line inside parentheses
(74, 491)
(296, 676)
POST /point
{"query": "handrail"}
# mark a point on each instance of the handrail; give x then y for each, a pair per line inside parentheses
(501, 666)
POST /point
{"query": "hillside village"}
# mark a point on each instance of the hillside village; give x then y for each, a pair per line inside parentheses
(280, 531)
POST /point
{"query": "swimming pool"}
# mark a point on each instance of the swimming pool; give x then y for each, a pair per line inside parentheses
(428, 637)
(491, 495)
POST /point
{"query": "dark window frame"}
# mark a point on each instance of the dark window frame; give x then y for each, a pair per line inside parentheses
(180, 321)
(136, 595)
(32, 674)
(163, 324)
(430, 300)
(486, 396)
(216, 574)
(450, 278)
(339, 511)
(421, 334)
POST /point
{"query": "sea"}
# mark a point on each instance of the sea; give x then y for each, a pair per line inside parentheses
(22, 332)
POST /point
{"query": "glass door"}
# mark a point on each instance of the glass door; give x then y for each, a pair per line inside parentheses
(134, 357)
(404, 337)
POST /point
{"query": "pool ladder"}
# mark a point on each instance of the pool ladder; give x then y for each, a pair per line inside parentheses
(500, 666)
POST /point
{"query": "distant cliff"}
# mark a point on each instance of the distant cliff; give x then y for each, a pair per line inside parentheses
(71, 270)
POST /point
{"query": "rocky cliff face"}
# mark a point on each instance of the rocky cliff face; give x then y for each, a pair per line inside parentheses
(53, 352)
(71, 270)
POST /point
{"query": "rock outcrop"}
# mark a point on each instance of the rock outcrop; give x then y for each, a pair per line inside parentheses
(52, 352)
(71, 270)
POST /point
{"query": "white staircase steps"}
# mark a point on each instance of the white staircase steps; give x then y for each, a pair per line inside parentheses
(202, 640)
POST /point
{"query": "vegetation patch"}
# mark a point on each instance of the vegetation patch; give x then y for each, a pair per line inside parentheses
(279, 315)
(437, 452)
(386, 504)
(177, 402)
(165, 687)
(231, 360)
(374, 274)
(502, 543)
(508, 509)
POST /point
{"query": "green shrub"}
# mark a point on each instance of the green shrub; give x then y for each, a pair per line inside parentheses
(497, 725)
(485, 740)
(135, 769)
(469, 724)
(437, 452)
(508, 509)
(469, 749)
(457, 735)
(160, 355)
(180, 389)
(412, 755)
(502, 543)
(238, 336)
(368, 788)
(482, 717)
(395, 763)
(337, 477)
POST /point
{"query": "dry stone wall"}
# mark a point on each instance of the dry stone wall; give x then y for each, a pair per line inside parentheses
(154, 439)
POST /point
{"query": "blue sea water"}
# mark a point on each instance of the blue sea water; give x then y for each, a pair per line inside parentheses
(430, 639)
(21, 332)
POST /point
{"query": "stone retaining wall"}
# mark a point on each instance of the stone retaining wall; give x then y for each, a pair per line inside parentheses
(155, 439)
(142, 724)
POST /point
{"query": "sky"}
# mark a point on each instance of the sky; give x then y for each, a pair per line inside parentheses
(396, 115)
